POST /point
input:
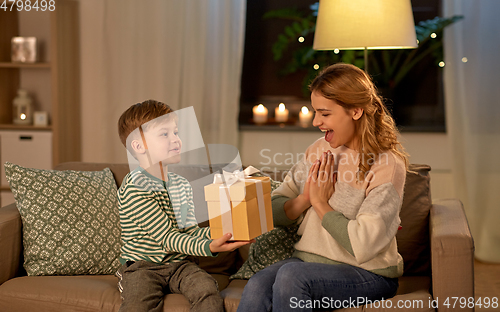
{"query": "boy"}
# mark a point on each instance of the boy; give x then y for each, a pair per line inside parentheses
(159, 229)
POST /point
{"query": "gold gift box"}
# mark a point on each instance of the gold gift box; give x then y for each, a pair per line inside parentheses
(244, 212)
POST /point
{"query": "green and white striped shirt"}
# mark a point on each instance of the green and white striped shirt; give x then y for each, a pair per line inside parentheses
(157, 219)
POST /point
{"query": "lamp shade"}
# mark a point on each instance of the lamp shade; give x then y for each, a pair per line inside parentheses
(360, 24)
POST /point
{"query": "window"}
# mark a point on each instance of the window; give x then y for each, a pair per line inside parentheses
(417, 103)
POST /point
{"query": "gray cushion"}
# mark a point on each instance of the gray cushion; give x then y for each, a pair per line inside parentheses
(413, 238)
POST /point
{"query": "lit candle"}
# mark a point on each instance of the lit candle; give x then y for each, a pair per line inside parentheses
(281, 113)
(259, 114)
(305, 116)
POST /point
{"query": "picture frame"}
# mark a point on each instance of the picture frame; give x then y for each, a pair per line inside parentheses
(40, 119)
(23, 50)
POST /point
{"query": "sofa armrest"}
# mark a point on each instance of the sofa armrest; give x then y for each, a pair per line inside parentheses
(10, 242)
(452, 254)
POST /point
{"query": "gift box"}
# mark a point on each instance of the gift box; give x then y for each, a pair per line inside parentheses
(241, 207)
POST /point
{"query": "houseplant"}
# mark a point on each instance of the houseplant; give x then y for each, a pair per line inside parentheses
(388, 67)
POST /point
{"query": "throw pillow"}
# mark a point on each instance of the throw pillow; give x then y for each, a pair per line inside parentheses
(269, 248)
(70, 220)
(413, 239)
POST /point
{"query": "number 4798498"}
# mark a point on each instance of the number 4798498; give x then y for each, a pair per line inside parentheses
(463, 302)
(27, 5)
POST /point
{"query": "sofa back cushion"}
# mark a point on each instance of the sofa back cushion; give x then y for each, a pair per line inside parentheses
(413, 238)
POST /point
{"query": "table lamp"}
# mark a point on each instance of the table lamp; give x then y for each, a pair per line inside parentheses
(364, 24)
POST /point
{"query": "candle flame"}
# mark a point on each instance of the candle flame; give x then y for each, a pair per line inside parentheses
(261, 108)
(23, 116)
(281, 107)
(304, 110)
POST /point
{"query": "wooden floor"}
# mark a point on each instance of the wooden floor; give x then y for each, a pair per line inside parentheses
(487, 283)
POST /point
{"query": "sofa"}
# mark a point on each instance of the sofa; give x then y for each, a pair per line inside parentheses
(434, 241)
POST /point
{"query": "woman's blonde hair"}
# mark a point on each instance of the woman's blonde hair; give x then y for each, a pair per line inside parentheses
(351, 87)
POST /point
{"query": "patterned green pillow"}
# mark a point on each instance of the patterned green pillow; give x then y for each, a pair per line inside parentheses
(269, 248)
(70, 220)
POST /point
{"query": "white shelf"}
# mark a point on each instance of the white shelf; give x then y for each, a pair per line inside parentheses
(24, 65)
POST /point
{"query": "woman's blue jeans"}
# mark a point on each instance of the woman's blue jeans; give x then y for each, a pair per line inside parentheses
(294, 285)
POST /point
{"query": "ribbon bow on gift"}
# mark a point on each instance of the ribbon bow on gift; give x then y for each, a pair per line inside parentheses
(229, 178)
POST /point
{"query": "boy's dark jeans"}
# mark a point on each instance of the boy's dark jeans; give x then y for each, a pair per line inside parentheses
(143, 285)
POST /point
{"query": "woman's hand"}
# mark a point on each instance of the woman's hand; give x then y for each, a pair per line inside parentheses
(295, 207)
(305, 193)
(221, 244)
(322, 183)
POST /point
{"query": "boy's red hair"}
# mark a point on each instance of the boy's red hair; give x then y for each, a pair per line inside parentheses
(139, 114)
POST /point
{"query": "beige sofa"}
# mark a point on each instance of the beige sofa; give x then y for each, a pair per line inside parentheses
(435, 243)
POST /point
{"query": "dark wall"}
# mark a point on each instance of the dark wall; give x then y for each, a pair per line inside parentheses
(260, 71)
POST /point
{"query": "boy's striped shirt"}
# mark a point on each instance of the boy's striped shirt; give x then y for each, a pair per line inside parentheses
(159, 225)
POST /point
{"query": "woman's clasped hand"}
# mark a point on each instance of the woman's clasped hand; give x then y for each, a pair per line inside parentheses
(320, 183)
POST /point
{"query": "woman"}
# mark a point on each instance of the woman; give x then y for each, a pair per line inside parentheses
(346, 195)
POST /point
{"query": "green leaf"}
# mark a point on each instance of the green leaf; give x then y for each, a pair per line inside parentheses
(297, 27)
(277, 52)
(290, 68)
(289, 31)
(306, 25)
(282, 38)
(308, 55)
(359, 63)
(348, 56)
(425, 28)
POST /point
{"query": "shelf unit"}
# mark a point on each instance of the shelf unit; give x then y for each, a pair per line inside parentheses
(53, 82)
(24, 127)
(24, 65)
(26, 146)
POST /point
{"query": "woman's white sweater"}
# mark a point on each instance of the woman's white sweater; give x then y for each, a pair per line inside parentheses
(361, 229)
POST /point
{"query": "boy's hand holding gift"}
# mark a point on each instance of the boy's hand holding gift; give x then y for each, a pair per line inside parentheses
(222, 244)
